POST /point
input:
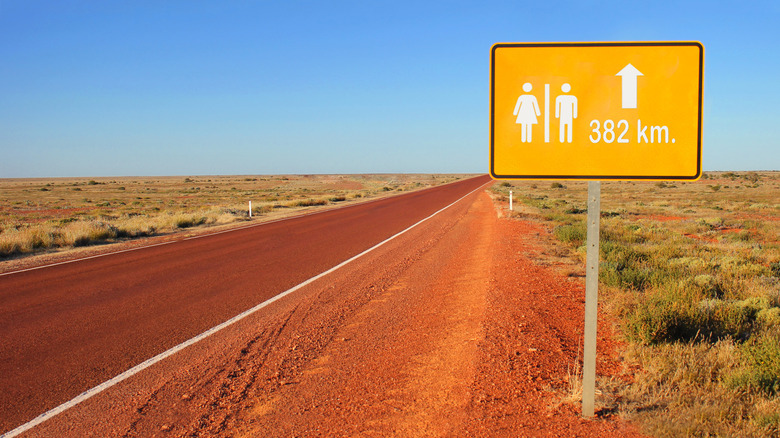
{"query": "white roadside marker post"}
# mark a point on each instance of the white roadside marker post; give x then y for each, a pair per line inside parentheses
(591, 299)
(510, 200)
(250, 209)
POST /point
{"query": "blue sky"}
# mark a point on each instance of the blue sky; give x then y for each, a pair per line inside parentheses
(113, 88)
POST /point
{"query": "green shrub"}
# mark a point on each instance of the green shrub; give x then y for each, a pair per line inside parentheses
(676, 314)
(575, 210)
(535, 202)
(769, 317)
(623, 266)
(727, 319)
(559, 218)
(774, 267)
(661, 319)
(741, 236)
(709, 285)
(574, 234)
(628, 277)
(762, 370)
(630, 233)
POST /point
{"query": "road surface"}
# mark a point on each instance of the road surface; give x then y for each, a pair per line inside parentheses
(69, 327)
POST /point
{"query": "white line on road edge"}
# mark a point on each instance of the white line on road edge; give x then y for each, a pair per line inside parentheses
(149, 362)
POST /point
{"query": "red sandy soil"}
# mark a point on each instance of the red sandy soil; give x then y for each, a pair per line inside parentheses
(454, 329)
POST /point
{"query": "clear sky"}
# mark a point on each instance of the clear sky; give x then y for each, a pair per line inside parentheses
(114, 88)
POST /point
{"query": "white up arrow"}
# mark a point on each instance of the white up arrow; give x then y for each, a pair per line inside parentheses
(629, 75)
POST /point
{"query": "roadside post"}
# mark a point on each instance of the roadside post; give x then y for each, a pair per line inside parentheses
(250, 209)
(591, 299)
(620, 111)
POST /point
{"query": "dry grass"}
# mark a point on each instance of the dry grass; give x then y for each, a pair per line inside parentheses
(691, 274)
(573, 381)
(681, 392)
(38, 215)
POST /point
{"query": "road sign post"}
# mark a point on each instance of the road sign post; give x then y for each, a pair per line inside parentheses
(610, 111)
(591, 299)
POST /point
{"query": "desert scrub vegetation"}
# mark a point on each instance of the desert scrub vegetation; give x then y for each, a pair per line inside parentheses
(691, 277)
(48, 214)
(21, 239)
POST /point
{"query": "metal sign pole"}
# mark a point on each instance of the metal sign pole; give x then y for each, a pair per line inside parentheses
(591, 299)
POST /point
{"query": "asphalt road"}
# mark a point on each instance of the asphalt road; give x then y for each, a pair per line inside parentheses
(69, 327)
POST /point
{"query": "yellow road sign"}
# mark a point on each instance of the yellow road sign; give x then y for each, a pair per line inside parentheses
(596, 111)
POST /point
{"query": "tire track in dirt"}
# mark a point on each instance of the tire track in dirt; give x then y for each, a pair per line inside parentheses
(401, 364)
(216, 392)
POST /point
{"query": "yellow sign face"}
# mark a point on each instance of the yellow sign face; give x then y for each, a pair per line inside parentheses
(596, 111)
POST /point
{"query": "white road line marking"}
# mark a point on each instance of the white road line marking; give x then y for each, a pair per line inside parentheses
(149, 362)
